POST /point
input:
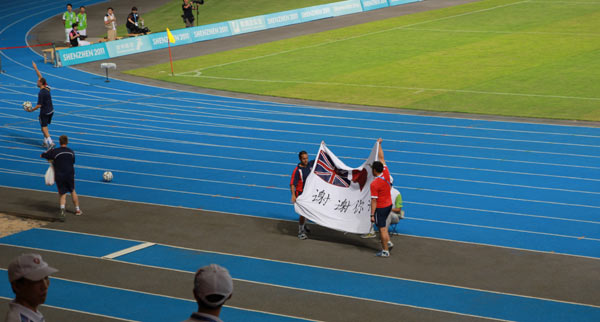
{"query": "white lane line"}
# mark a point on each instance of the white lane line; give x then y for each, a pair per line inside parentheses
(329, 268)
(445, 90)
(491, 212)
(226, 116)
(234, 108)
(205, 124)
(499, 197)
(73, 310)
(95, 143)
(37, 161)
(508, 32)
(251, 282)
(128, 250)
(101, 132)
(148, 293)
(501, 228)
(294, 221)
(269, 202)
(485, 211)
(357, 36)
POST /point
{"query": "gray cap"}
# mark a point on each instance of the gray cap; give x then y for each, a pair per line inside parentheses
(213, 285)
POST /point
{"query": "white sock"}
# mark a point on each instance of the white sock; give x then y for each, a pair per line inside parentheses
(300, 228)
(62, 207)
(76, 208)
(49, 140)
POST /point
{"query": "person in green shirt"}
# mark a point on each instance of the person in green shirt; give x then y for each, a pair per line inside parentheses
(82, 22)
(69, 18)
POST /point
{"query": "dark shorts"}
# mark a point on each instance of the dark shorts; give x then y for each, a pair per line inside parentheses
(45, 120)
(65, 185)
(381, 215)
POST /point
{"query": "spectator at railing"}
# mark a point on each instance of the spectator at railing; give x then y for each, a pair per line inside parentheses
(69, 18)
(82, 21)
(110, 22)
(74, 37)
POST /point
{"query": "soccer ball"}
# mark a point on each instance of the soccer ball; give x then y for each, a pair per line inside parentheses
(27, 106)
(107, 176)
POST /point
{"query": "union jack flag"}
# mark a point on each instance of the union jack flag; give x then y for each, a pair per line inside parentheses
(327, 171)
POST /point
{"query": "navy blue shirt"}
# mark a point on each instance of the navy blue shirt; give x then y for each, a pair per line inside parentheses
(45, 100)
(64, 159)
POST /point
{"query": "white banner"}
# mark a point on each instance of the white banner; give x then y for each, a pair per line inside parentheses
(338, 196)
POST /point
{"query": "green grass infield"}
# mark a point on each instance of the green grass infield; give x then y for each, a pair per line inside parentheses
(502, 57)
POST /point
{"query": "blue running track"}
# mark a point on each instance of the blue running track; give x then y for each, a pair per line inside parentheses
(527, 186)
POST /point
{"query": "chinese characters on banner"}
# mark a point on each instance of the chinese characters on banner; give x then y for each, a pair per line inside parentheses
(337, 196)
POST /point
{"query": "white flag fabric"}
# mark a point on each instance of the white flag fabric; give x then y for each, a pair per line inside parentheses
(49, 177)
(337, 196)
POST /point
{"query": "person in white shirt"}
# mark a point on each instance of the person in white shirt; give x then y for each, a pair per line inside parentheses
(213, 286)
(28, 276)
(110, 22)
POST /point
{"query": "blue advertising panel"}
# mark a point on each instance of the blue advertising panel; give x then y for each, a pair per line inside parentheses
(284, 18)
(399, 2)
(83, 54)
(128, 46)
(346, 7)
(245, 25)
(208, 32)
(160, 40)
(316, 12)
(374, 4)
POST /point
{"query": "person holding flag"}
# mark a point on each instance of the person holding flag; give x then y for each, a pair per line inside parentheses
(381, 200)
(299, 176)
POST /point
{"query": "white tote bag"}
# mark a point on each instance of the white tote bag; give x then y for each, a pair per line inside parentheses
(49, 175)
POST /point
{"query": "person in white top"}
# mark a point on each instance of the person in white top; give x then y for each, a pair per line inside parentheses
(213, 286)
(28, 276)
(110, 22)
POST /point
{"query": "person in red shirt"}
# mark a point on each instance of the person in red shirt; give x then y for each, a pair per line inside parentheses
(299, 175)
(381, 200)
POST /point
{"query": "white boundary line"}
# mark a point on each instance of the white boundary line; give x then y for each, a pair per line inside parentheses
(281, 203)
(485, 211)
(151, 294)
(300, 265)
(196, 113)
(128, 250)
(448, 90)
(76, 311)
(294, 221)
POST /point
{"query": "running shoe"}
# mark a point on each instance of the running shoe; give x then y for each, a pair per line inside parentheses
(61, 215)
(52, 145)
(383, 253)
(78, 212)
(371, 234)
(302, 235)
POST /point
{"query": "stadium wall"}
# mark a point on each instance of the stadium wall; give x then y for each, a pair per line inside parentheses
(128, 46)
